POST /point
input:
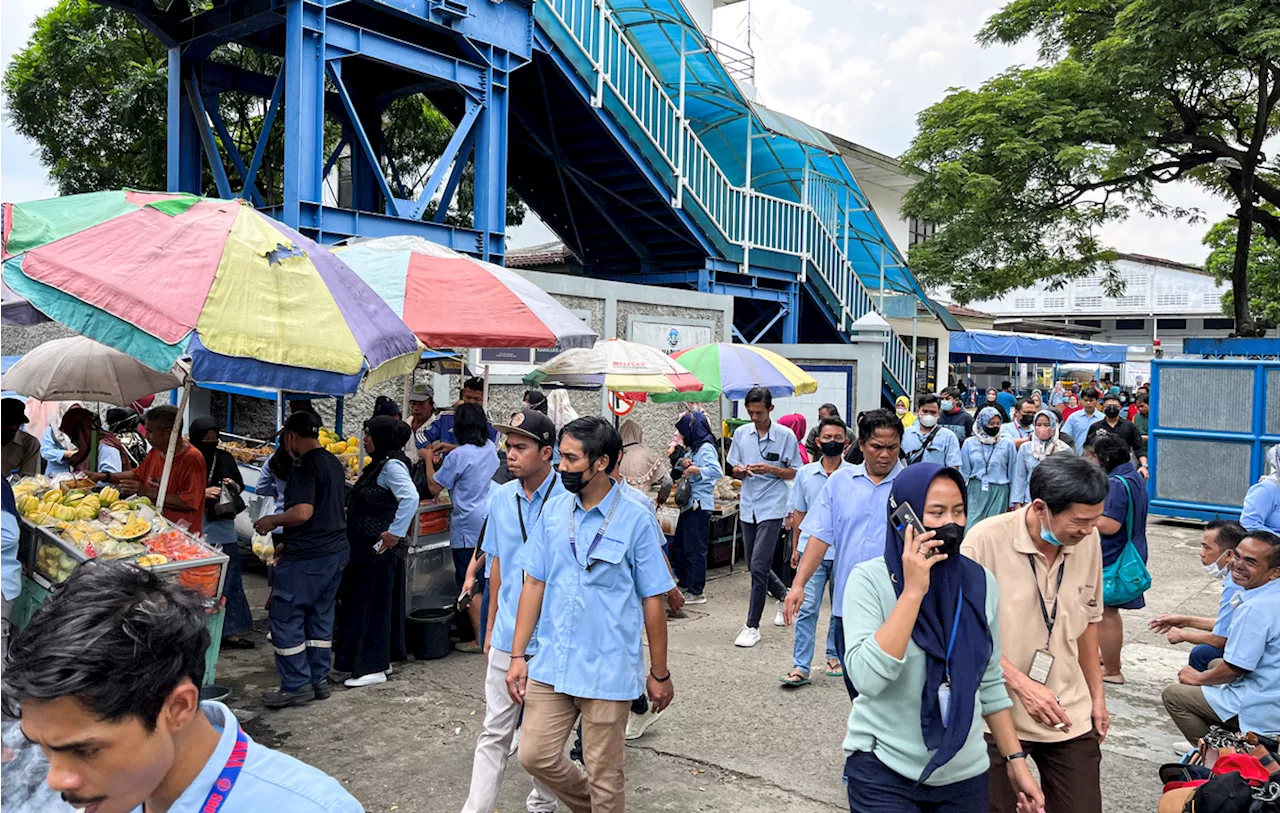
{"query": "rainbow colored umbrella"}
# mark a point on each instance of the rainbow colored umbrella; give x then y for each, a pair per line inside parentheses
(733, 369)
(163, 275)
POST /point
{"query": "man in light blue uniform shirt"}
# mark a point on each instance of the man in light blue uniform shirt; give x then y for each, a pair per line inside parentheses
(850, 515)
(1242, 691)
(1019, 426)
(149, 744)
(1209, 635)
(925, 441)
(594, 573)
(765, 456)
(1261, 507)
(515, 510)
(1077, 426)
(804, 495)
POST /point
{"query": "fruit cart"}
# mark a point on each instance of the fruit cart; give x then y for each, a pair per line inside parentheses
(429, 583)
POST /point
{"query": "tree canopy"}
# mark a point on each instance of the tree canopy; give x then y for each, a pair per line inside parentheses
(1128, 96)
(1264, 269)
(90, 90)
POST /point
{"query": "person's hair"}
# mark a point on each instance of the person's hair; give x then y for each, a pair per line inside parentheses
(874, 419)
(1111, 396)
(832, 422)
(1088, 392)
(536, 399)
(384, 405)
(1062, 480)
(470, 425)
(163, 417)
(1230, 533)
(116, 637)
(924, 399)
(1111, 451)
(598, 438)
(1267, 538)
(304, 424)
(759, 395)
(832, 409)
(1023, 402)
(1142, 398)
(474, 383)
(1004, 385)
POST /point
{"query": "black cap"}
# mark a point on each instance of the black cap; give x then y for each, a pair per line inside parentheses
(303, 424)
(531, 424)
(14, 412)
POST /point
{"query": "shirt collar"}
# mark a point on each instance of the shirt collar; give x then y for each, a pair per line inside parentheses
(193, 797)
(539, 493)
(860, 470)
(1266, 589)
(615, 493)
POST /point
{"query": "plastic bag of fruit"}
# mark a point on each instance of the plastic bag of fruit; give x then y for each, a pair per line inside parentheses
(264, 547)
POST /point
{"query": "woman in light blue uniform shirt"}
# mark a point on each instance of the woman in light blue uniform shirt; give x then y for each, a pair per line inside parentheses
(1043, 442)
(987, 461)
(1262, 502)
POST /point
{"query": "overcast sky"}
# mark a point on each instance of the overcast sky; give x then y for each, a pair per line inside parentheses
(859, 68)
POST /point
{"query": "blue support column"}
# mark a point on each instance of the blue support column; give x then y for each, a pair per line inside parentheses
(183, 150)
(303, 109)
(491, 165)
(791, 321)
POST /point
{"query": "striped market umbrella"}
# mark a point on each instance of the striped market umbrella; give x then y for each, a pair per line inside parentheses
(618, 366)
(451, 300)
(159, 276)
(733, 369)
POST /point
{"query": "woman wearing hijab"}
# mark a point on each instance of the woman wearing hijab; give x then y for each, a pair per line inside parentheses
(797, 424)
(923, 648)
(1043, 442)
(700, 465)
(902, 406)
(1071, 406)
(56, 447)
(96, 449)
(986, 460)
(641, 467)
(1037, 398)
(535, 400)
(379, 511)
(1262, 501)
(222, 472)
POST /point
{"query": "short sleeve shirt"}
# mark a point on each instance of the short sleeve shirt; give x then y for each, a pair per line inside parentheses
(186, 480)
(805, 489)
(512, 516)
(1253, 645)
(764, 497)
(316, 479)
(1003, 545)
(467, 472)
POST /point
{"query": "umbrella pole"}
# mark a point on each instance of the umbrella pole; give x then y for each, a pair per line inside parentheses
(173, 445)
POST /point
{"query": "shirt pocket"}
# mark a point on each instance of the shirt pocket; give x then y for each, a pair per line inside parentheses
(1083, 608)
(606, 564)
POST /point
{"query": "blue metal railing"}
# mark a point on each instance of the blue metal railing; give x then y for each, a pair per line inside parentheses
(742, 216)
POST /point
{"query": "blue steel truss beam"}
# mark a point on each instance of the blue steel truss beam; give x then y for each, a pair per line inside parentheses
(336, 154)
(366, 147)
(452, 152)
(455, 177)
(264, 134)
(233, 153)
(206, 138)
(332, 224)
(782, 311)
(343, 39)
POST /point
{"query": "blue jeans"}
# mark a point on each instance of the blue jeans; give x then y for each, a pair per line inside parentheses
(874, 788)
(807, 619)
(1202, 655)
(689, 550)
(239, 619)
(302, 604)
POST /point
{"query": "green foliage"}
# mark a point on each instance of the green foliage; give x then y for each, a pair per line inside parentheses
(1264, 269)
(1021, 173)
(90, 90)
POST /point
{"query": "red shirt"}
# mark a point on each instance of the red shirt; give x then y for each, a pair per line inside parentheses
(187, 481)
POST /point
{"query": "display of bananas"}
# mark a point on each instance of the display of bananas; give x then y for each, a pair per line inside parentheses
(109, 495)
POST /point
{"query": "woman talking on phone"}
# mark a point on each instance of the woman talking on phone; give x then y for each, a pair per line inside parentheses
(923, 648)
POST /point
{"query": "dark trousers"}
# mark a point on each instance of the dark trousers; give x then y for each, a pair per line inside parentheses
(302, 605)
(689, 550)
(371, 614)
(1070, 775)
(239, 618)
(874, 788)
(838, 621)
(760, 542)
(461, 561)
(1201, 656)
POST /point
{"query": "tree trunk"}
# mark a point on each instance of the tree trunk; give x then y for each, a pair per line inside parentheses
(1240, 269)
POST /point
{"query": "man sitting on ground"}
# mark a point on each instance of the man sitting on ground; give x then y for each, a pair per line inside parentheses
(1242, 690)
(106, 679)
(1209, 635)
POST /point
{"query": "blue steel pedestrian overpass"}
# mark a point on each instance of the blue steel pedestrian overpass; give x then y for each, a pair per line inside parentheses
(614, 120)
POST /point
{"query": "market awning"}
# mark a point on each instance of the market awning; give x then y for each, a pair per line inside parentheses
(995, 346)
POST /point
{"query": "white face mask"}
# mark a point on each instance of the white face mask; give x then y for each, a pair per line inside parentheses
(1216, 569)
(928, 421)
(901, 410)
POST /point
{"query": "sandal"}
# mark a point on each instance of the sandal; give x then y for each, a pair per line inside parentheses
(833, 668)
(1116, 680)
(795, 679)
(237, 642)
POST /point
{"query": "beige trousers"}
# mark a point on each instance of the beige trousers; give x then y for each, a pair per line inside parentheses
(1191, 713)
(548, 721)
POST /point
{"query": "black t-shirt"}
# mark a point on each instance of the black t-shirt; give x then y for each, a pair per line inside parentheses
(317, 479)
(1125, 430)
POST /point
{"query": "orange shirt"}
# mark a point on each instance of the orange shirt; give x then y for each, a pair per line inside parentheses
(187, 481)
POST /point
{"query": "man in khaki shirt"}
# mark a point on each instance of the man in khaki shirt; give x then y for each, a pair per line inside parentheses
(1048, 561)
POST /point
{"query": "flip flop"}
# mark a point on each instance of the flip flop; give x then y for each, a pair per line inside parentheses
(794, 680)
(836, 672)
(1115, 680)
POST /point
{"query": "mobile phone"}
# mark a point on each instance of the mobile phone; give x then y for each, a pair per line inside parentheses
(906, 515)
(377, 546)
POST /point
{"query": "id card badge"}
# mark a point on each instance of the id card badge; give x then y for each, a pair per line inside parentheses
(986, 486)
(944, 702)
(1041, 663)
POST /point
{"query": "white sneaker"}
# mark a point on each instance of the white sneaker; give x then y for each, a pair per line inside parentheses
(690, 598)
(750, 636)
(388, 671)
(779, 620)
(637, 724)
(365, 680)
(1181, 747)
(515, 744)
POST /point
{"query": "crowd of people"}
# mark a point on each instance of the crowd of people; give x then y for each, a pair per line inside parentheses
(918, 525)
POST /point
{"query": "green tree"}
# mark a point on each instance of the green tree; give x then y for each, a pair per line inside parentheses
(1264, 269)
(1128, 95)
(90, 90)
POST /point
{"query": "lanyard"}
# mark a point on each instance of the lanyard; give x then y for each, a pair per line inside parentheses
(524, 535)
(955, 625)
(230, 772)
(1050, 618)
(604, 526)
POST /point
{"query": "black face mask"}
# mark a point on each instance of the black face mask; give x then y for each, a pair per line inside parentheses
(1026, 420)
(1111, 411)
(832, 448)
(574, 481)
(951, 536)
(991, 430)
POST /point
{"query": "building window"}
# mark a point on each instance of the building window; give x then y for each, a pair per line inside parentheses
(1131, 324)
(1171, 324)
(919, 230)
(1090, 301)
(1220, 324)
(1174, 300)
(1025, 303)
(1054, 302)
(1087, 322)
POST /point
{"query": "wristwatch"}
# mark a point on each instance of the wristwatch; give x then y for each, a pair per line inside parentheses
(1017, 755)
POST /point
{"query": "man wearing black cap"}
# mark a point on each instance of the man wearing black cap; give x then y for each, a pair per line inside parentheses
(312, 553)
(515, 510)
(21, 452)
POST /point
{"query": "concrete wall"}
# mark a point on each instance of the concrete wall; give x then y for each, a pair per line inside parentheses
(888, 207)
(861, 358)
